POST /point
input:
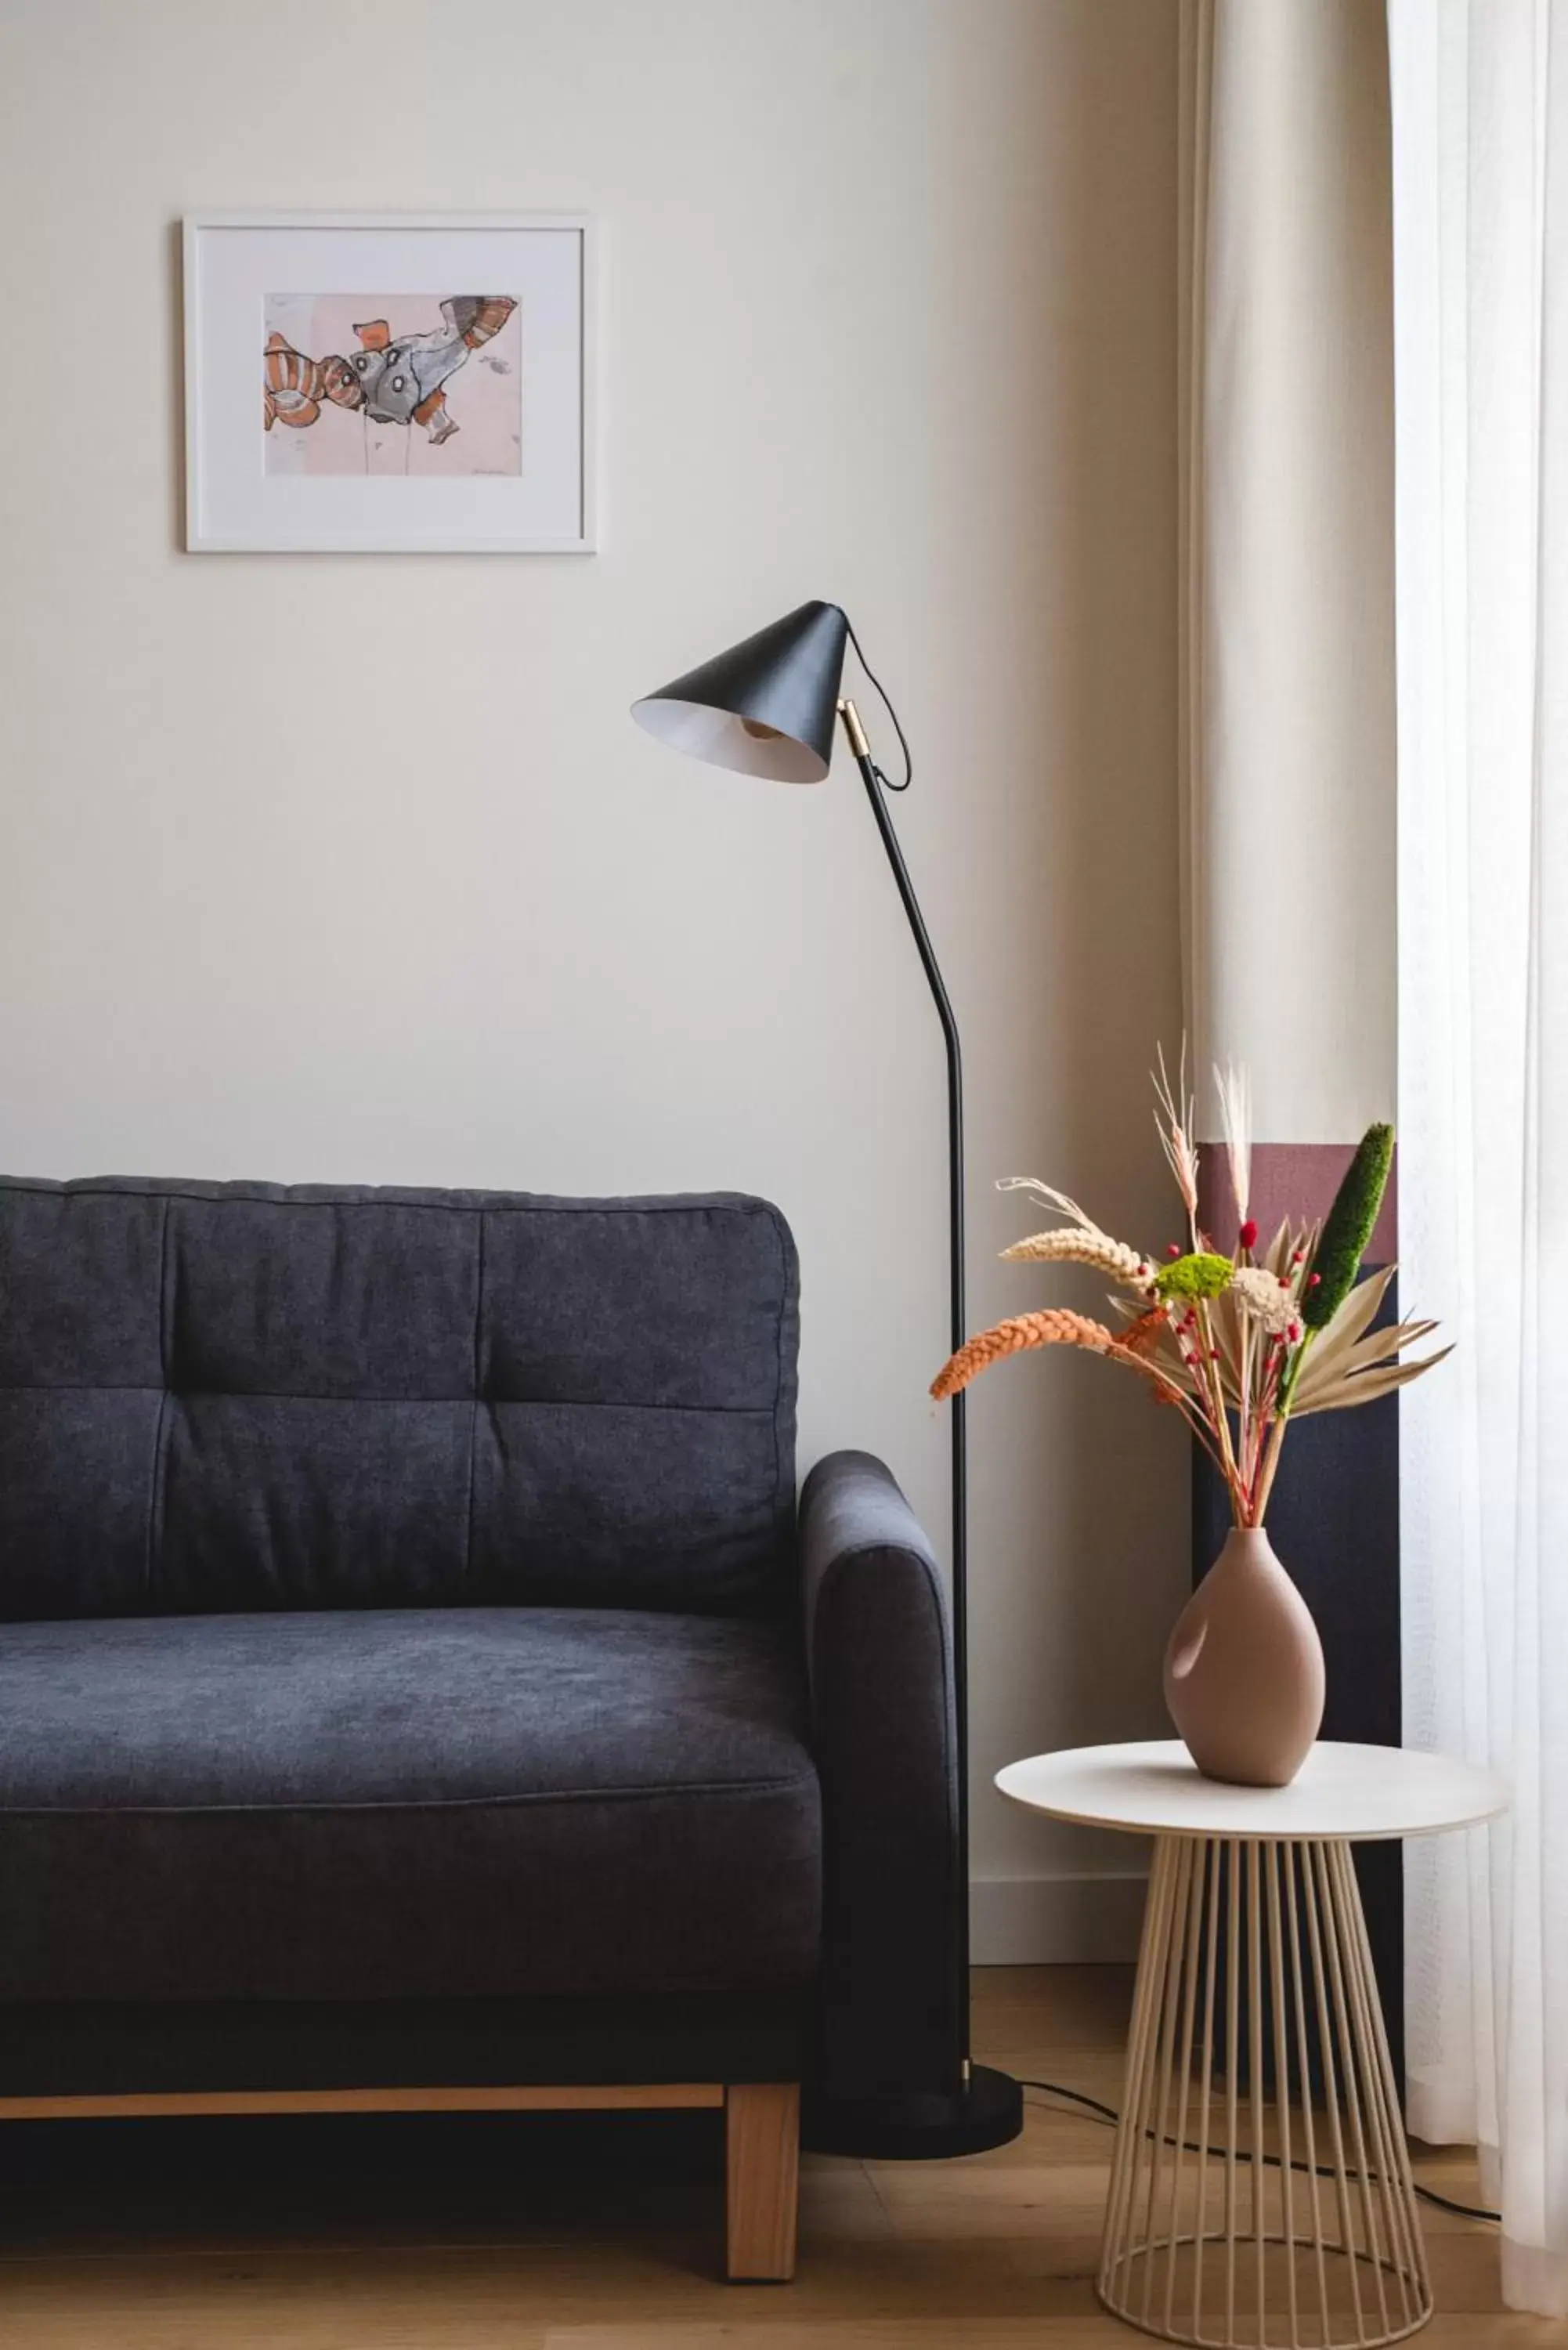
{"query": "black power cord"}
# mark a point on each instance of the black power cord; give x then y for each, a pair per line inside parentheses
(885, 781)
(1244, 2154)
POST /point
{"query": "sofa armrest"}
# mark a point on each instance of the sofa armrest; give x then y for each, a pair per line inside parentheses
(881, 1665)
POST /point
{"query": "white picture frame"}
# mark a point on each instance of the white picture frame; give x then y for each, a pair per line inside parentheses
(365, 477)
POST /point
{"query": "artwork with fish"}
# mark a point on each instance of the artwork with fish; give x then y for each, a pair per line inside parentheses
(412, 384)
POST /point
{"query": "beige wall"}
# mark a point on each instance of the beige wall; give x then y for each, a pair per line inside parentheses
(354, 867)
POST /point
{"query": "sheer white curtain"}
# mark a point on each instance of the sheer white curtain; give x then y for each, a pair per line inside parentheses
(1480, 244)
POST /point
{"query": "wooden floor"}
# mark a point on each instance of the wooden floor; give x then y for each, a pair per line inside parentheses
(472, 2236)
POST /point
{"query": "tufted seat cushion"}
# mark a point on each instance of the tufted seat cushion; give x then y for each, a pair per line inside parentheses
(401, 1804)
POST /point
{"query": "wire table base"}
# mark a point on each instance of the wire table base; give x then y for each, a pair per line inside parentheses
(1261, 2191)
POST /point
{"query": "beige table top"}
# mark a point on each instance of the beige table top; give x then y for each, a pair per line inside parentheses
(1354, 1793)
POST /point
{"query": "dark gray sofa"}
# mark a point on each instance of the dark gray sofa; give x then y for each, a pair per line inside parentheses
(417, 1685)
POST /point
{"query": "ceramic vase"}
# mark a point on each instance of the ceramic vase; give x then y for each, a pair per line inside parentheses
(1243, 1669)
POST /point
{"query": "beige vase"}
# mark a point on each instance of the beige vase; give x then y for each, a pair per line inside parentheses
(1243, 1669)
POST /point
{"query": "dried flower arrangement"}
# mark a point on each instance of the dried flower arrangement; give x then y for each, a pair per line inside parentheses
(1239, 1345)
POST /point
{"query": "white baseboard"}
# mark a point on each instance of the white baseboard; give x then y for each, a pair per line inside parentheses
(1021, 1921)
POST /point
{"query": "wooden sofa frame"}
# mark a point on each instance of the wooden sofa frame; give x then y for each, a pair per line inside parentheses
(762, 2137)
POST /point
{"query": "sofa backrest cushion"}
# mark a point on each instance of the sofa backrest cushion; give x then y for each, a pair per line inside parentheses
(241, 1396)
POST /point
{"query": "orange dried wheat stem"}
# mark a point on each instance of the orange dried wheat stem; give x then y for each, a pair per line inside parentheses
(1055, 1326)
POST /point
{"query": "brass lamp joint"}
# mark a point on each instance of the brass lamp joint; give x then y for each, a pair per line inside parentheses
(854, 729)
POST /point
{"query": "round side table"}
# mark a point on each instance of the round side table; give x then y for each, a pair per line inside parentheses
(1261, 2191)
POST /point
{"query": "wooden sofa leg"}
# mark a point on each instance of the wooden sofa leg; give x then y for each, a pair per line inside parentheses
(762, 2172)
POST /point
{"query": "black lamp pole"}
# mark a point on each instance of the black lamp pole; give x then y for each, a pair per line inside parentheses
(958, 1331)
(768, 707)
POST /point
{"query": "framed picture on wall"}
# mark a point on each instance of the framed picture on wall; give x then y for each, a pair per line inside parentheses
(344, 393)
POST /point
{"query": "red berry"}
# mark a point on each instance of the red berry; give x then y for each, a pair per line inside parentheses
(1171, 1249)
(1249, 1233)
(1314, 1279)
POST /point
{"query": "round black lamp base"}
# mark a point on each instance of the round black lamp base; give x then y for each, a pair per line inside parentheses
(925, 2126)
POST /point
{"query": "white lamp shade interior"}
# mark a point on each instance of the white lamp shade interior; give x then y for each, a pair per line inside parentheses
(723, 740)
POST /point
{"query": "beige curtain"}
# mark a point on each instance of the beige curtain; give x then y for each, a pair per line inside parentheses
(1287, 539)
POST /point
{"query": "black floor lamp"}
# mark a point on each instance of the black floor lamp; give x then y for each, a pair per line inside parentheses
(768, 707)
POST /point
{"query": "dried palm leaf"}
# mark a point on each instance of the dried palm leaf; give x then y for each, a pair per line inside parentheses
(1160, 1347)
(1366, 1387)
(1292, 1244)
(1355, 1360)
(1386, 1346)
(1355, 1317)
(1225, 1327)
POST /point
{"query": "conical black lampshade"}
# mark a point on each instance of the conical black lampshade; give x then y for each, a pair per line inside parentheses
(766, 707)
